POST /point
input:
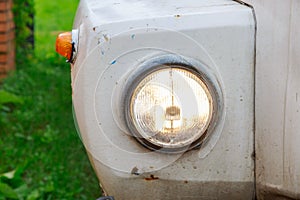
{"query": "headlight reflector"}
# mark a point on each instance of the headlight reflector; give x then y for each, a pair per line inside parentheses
(170, 107)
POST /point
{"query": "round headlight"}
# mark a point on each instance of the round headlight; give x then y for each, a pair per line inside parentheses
(170, 107)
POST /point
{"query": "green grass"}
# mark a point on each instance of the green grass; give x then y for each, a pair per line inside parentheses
(37, 135)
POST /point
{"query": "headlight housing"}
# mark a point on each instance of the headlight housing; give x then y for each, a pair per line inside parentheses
(170, 106)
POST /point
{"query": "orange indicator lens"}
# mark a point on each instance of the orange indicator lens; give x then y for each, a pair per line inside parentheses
(64, 44)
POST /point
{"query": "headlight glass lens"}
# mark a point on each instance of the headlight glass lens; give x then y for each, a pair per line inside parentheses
(171, 107)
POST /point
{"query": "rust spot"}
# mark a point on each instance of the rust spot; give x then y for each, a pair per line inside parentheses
(94, 28)
(151, 178)
(177, 16)
(186, 182)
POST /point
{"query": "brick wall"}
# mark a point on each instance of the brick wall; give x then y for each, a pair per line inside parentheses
(7, 34)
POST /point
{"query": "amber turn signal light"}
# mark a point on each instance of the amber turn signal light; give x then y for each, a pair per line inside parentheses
(64, 45)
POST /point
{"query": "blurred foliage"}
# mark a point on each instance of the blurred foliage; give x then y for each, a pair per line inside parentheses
(24, 22)
(6, 98)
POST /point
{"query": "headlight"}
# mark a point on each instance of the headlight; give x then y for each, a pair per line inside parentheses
(170, 107)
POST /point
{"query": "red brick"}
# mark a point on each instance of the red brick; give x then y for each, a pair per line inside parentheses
(6, 36)
(3, 37)
(10, 15)
(6, 47)
(3, 16)
(11, 24)
(3, 5)
(3, 70)
(3, 47)
(3, 58)
(6, 16)
(6, 67)
(10, 65)
(9, 4)
(6, 26)
(3, 27)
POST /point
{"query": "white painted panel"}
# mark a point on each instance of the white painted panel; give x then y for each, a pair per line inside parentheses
(223, 40)
(277, 98)
(292, 121)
